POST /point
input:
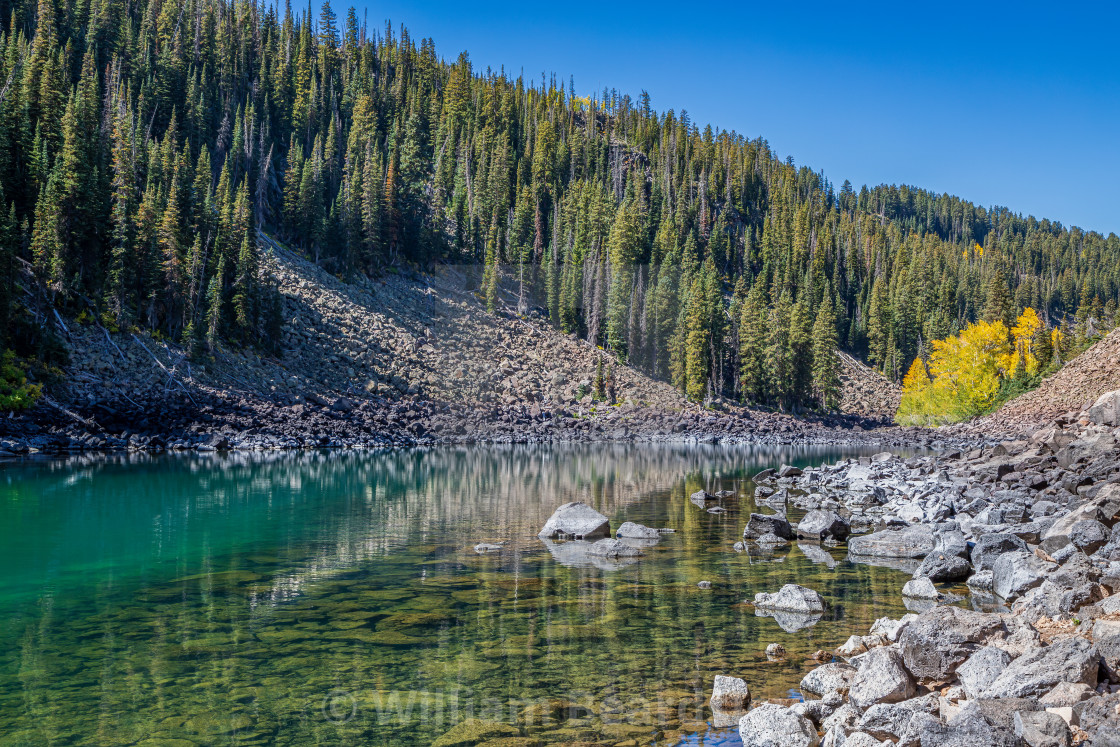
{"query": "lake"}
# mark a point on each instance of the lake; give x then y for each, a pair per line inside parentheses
(336, 597)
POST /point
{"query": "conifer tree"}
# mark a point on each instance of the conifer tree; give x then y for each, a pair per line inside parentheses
(826, 381)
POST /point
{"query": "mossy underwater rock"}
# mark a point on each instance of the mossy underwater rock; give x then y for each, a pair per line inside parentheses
(475, 731)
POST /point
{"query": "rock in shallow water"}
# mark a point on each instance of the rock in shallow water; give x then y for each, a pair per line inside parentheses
(576, 519)
(939, 566)
(637, 531)
(763, 524)
(730, 693)
(909, 542)
(828, 678)
(771, 725)
(820, 524)
(791, 598)
(919, 588)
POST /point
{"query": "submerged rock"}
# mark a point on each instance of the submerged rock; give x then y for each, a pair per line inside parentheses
(578, 520)
(475, 731)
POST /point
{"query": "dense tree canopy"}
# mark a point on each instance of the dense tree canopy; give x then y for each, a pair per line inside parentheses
(144, 144)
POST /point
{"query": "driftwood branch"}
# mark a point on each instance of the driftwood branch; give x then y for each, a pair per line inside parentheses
(87, 423)
(166, 370)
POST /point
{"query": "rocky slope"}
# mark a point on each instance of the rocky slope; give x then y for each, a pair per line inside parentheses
(1030, 527)
(1076, 386)
(401, 359)
(866, 392)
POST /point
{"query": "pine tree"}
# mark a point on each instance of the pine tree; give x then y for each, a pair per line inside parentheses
(826, 381)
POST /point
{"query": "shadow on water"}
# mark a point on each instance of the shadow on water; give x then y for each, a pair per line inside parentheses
(337, 597)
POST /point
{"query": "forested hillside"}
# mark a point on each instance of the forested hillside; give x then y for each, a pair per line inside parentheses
(144, 144)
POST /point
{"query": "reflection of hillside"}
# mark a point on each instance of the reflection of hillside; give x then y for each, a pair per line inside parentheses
(163, 509)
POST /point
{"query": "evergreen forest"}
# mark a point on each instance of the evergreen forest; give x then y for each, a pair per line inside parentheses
(145, 146)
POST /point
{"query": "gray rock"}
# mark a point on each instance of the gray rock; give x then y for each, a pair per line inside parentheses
(704, 585)
(938, 641)
(969, 728)
(828, 678)
(882, 678)
(771, 725)
(1042, 729)
(909, 542)
(1108, 649)
(1066, 695)
(1089, 535)
(863, 739)
(1106, 410)
(981, 670)
(991, 546)
(612, 548)
(939, 566)
(820, 524)
(577, 554)
(791, 598)
(771, 540)
(485, 547)
(1037, 672)
(787, 471)
(730, 693)
(890, 720)
(980, 581)
(760, 524)
(576, 519)
(919, 588)
(1014, 573)
(637, 531)
(1057, 536)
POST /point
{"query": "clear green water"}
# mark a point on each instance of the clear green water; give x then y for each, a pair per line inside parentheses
(336, 598)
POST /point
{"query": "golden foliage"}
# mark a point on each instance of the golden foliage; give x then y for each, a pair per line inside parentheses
(965, 372)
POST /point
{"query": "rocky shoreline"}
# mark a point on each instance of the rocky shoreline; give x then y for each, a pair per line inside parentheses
(1032, 526)
(221, 421)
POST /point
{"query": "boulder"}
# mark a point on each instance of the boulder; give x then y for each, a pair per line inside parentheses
(771, 725)
(863, 739)
(612, 548)
(940, 566)
(791, 598)
(730, 693)
(882, 678)
(1108, 649)
(1066, 695)
(919, 588)
(990, 546)
(762, 524)
(909, 542)
(787, 471)
(1106, 410)
(1014, 573)
(1089, 535)
(828, 678)
(981, 669)
(637, 531)
(1058, 535)
(969, 728)
(1042, 729)
(821, 524)
(935, 643)
(576, 519)
(1037, 672)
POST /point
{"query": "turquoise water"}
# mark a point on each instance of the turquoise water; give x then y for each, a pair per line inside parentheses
(337, 598)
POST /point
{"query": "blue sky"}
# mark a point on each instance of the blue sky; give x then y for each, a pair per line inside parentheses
(1005, 104)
